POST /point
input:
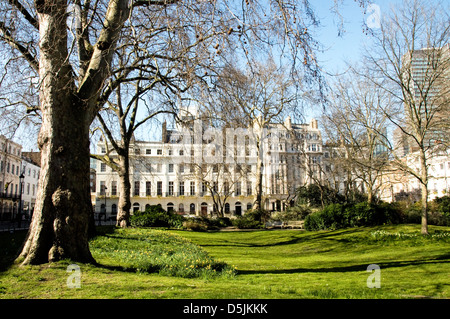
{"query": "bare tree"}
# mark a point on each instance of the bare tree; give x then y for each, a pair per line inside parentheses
(355, 120)
(410, 61)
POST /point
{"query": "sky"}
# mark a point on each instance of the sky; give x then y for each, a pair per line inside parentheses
(349, 45)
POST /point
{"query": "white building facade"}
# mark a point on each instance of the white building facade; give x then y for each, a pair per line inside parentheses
(199, 170)
(10, 170)
(30, 170)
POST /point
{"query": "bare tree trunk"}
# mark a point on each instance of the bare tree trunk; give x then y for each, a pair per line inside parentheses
(424, 186)
(424, 222)
(258, 187)
(59, 228)
(369, 197)
(123, 215)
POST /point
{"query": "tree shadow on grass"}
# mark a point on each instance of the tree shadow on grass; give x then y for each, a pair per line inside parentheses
(445, 258)
(301, 237)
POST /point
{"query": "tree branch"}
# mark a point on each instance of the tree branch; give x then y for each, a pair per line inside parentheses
(32, 20)
(16, 45)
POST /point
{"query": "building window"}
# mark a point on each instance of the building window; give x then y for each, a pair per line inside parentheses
(114, 188)
(102, 167)
(204, 188)
(181, 191)
(148, 151)
(170, 168)
(159, 152)
(249, 188)
(136, 188)
(159, 188)
(226, 188)
(148, 188)
(238, 189)
(170, 188)
(192, 188)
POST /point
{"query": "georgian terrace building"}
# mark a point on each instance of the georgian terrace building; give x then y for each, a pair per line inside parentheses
(196, 170)
(10, 170)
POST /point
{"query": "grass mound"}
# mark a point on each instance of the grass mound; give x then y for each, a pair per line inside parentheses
(156, 251)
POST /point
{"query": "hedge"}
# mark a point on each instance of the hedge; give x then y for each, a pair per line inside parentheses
(337, 216)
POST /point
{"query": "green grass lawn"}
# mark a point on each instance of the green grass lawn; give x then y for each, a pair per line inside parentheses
(276, 264)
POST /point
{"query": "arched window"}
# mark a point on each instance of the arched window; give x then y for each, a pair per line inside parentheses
(192, 208)
(136, 207)
(249, 206)
(170, 207)
(227, 208)
(181, 208)
(113, 209)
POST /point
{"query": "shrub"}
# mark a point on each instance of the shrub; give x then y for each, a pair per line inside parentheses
(298, 212)
(331, 217)
(195, 224)
(220, 222)
(156, 216)
(204, 223)
(253, 219)
(443, 205)
(441, 216)
(337, 216)
(259, 215)
(245, 222)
